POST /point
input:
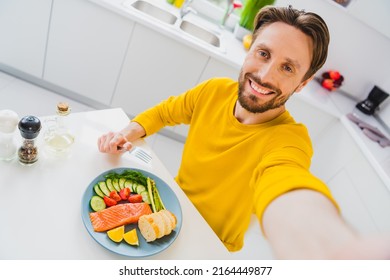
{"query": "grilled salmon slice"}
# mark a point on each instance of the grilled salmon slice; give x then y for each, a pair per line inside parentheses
(117, 215)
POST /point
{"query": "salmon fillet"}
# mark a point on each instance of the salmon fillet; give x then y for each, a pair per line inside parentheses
(117, 215)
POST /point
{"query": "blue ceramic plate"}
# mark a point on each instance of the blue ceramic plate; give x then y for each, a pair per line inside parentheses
(144, 249)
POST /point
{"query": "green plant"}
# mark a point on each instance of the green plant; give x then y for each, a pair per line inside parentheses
(248, 14)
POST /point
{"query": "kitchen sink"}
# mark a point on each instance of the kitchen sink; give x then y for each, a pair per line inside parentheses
(185, 26)
(200, 33)
(154, 11)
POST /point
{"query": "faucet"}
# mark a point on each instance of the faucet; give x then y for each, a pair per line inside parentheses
(230, 7)
(185, 9)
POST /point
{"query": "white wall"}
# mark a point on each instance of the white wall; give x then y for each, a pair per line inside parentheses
(359, 52)
(375, 13)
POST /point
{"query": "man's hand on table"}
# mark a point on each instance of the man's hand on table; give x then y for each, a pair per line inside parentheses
(113, 143)
(119, 142)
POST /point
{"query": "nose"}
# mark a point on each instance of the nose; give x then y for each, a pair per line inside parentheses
(267, 72)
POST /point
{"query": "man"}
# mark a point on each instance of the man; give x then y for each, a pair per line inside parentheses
(245, 154)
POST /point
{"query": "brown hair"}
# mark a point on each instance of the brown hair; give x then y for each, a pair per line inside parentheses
(309, 23)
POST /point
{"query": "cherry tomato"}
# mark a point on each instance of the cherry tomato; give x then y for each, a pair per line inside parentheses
(114, 195)
(109, 201)
(124, 193)
(135, 198)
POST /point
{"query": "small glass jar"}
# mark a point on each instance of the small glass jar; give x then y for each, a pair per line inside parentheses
(29, 127)
(58, 137)
(8, 123)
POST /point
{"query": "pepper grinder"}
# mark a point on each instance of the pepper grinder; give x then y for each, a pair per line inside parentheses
(8, 122)
(29, 127)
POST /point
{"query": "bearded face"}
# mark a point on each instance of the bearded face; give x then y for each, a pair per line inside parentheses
(274, 68)
(254, 103)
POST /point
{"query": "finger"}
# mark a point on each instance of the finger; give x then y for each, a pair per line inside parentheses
(106, 143)
(101, 141)
(98, 143)
(127, 146)
(116, 143)
(123, 144)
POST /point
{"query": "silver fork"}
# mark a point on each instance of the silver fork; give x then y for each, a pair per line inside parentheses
(141, 154)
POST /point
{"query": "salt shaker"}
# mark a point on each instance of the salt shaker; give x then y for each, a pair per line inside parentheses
(29, 127)
(8, 123)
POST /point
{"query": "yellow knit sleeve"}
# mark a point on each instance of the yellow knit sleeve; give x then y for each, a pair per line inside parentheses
(277, 181)
(172, 111)
(282, 170)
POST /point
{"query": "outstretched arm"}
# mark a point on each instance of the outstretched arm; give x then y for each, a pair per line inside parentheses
(304, 224)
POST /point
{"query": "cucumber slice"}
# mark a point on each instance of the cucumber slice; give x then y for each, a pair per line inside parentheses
(115, 183)
(103, 188)
(122, 182)
(140, 189)
(145, 196)
(134, 187)
(129, 184)
(109, 185)
(97, 203)
(98, 191)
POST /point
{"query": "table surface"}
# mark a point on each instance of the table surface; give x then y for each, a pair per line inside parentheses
(40, 210)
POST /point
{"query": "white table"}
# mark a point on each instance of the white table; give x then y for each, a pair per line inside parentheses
(40, 206)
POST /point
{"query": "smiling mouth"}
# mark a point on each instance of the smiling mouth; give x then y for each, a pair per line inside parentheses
(259, 89)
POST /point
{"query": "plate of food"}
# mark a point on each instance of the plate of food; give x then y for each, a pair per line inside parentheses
(131, 212)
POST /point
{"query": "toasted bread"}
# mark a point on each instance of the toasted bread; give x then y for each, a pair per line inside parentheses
(148, 228)
(156, 225)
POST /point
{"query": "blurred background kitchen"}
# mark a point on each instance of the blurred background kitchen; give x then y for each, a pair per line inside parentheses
(98, 54)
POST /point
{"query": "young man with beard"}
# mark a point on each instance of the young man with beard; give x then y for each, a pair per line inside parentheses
(245, 153)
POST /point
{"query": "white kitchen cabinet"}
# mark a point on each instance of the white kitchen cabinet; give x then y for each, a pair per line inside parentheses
(316, 121)
(86, 48)
(372, 190)
(352, 206)
(155, 68)
(214, 68)
(363, 197)
(23, 31)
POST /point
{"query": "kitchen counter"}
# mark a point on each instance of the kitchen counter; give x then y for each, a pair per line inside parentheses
(41, 210)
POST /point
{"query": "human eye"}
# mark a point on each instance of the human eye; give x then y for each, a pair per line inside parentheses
(288, 68)
(263, 54)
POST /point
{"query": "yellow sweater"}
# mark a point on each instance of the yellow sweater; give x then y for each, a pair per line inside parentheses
(230, 170)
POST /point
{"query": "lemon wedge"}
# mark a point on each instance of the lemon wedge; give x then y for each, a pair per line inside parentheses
(131, 237)
(116, 234)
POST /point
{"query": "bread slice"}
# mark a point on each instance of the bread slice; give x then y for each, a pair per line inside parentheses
(159, 222)
(148, 228)
(170, 216)
(157, 225)
(168, 226)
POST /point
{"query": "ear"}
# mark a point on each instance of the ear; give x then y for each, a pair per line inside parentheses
(303, 84)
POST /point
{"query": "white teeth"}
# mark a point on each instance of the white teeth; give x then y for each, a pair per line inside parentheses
(260, 90)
